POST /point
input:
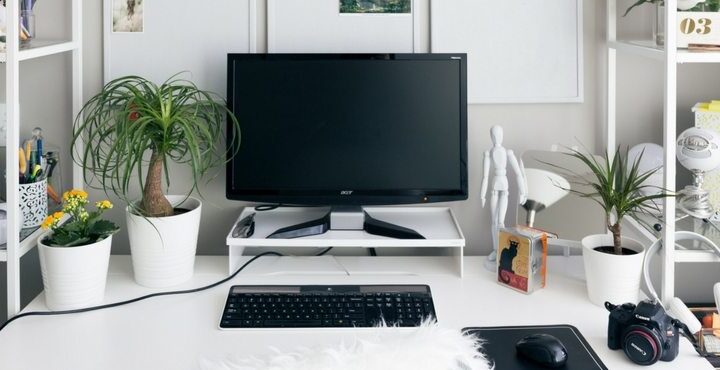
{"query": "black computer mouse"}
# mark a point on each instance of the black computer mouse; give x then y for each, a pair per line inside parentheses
(542, 349)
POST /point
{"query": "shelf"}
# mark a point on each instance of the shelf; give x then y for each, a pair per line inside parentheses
(695, 256)
(28, 240)
(644, 48)
(27, 243)
(41, 48)
(687, 56)
(648, 49)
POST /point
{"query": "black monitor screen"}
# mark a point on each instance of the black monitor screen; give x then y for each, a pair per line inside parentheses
(349, 129)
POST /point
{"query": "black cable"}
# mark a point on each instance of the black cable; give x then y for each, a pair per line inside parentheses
(270, 207)
(324, 251)
(267, 207)
(373, 252)
(142, 298)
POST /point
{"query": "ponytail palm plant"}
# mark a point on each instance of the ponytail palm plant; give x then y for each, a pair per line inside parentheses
(133, 123)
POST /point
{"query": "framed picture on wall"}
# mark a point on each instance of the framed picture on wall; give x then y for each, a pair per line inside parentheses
(375, 6)
(128, 15)
(170, 36)
(519, 51)
(342, 26)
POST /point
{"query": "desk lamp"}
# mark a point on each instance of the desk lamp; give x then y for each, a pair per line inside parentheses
(545, 188)
(698, 150)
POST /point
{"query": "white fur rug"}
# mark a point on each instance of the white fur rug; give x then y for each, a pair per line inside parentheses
(429, 347)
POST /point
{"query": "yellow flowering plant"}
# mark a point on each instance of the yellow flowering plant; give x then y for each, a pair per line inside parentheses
(84, 227)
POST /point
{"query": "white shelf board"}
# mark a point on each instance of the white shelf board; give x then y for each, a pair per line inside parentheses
(26, 245)
(648, 49)
(29, 242)
(695, 256)
(41, 48)
(645, 48)
(688, 56)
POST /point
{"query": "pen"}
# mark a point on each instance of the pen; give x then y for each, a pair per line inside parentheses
(28, 152)
(38, 137)
(23, 162)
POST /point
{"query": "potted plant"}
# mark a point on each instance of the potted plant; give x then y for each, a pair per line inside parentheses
(134, 125)
(74, 256)
(613, 263)
(682, 6)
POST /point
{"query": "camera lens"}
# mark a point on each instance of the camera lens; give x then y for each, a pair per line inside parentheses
(642, 345)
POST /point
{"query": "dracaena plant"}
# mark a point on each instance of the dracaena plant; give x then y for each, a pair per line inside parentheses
(618, 186)
(134, 123)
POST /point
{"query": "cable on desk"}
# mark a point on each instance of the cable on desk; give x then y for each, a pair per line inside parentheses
(142, 298)
(267, 207)
(373, 252)
(270, 207)
(324, 251)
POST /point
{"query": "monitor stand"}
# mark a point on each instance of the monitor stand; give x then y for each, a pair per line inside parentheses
(346, 218)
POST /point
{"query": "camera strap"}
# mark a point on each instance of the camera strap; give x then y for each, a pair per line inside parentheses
(685, 331)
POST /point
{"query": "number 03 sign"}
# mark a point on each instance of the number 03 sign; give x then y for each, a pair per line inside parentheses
(698, 28)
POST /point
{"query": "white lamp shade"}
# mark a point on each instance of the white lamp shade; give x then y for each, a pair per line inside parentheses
(652, 159)
(545, 187)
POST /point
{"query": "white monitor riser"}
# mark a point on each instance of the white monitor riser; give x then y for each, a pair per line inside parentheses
(438, 225)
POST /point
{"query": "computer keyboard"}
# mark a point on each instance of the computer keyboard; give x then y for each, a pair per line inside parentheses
(326, 306)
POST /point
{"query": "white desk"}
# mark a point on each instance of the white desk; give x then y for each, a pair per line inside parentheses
(175, 332)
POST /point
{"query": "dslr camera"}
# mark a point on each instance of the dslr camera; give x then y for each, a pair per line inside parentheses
(645, 332)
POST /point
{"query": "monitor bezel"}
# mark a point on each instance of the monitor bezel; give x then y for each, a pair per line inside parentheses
(350, 196)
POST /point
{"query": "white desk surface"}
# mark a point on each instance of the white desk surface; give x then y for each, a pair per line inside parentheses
(175, 332)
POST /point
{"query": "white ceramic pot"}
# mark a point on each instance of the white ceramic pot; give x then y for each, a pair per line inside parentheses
(163, 248)
(610, 277)
(74, 277)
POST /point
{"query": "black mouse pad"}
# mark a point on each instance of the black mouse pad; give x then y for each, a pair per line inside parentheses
(500, 347)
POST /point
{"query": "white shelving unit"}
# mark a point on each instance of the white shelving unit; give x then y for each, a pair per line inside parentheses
(671, 57)
(12, 57)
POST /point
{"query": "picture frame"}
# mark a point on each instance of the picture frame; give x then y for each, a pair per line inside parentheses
(530, 39)
(317, 26)
(128, 16)
(171, 23)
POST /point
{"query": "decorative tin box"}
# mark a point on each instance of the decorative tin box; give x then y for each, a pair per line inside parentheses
(522, 258)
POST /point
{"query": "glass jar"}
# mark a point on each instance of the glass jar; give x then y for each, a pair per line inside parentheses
(659, 25)
(27, 27)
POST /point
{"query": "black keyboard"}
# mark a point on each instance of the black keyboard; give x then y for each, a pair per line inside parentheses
(326, 306)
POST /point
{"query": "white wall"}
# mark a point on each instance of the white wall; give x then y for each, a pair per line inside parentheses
(527, 127)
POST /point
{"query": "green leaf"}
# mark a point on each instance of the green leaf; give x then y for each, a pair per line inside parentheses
(103, 227)
(132, 117)
(616, 185)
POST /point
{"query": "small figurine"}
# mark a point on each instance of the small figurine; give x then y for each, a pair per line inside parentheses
(499, 195)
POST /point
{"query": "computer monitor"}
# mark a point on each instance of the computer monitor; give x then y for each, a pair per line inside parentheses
(348, 129)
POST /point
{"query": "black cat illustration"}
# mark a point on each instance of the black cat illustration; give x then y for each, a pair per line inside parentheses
(506, 260)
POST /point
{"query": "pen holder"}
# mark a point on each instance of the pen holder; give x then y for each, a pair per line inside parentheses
(33, 203)
(27, 27)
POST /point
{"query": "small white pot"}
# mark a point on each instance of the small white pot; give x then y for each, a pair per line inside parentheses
(74, 277)
(610, 277)
(163, 248)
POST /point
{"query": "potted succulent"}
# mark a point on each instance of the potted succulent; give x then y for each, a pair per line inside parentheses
(134, 126)
(613, 263)
(74, 256)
